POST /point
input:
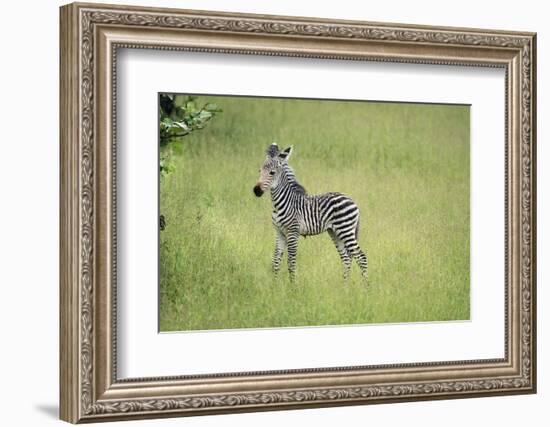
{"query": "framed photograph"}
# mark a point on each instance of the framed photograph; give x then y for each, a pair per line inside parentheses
(266, 212)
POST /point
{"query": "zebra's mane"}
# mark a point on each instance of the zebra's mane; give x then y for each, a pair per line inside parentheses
(292, 179)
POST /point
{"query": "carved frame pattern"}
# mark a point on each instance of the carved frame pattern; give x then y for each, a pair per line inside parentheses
(80, 23)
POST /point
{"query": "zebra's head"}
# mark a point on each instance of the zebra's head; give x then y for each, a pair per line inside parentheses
(271, 169)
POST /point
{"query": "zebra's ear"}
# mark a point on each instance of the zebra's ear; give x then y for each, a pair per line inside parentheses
(285, 154)
(272, 150)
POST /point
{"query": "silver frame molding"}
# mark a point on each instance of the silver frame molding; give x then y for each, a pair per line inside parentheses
(90, 37)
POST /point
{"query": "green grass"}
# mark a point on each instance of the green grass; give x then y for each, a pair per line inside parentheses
(407, 166)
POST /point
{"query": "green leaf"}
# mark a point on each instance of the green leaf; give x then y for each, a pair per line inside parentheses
(190, 106)
(204, 115)
(180, 116)
(213, 108)
(182, 125)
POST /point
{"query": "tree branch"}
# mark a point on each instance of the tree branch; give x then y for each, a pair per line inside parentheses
(173, 136)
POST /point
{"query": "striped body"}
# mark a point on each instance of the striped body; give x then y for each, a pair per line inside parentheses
(312, 214)
(297, 213)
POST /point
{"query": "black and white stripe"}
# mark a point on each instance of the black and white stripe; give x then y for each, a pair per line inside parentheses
(296, 213)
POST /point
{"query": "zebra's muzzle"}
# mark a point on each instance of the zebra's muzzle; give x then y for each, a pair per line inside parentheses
(258, 191)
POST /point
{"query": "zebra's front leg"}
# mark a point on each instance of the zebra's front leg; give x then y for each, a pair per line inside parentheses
(292, 248)
(280, 246)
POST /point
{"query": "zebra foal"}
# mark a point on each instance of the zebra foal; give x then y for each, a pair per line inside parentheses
(296, 213)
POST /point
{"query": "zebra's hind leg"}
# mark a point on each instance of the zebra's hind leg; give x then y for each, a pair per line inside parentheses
(361, 258)
(344, 255)
(350, 241)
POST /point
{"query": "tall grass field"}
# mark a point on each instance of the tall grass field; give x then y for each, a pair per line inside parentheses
(407, 166)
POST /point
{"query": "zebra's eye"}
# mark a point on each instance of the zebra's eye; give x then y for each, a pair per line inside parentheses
(272, 173)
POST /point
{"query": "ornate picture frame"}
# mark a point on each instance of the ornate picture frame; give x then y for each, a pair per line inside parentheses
(90, 37)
